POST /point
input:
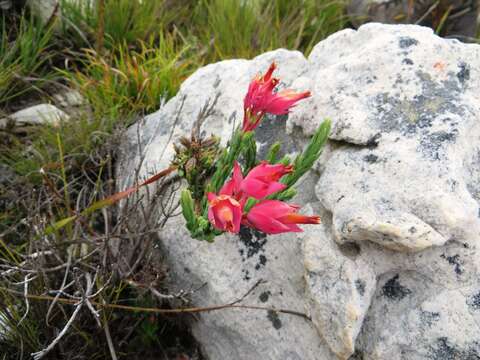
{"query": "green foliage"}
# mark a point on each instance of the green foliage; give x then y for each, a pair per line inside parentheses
(304, 161)
(226, 159)
(126, 21)
(132, 81)
(188, 209)
(80, 136)
(246, 28)
(249, 152)
(272, 153)
(23, 55)
(27, 333)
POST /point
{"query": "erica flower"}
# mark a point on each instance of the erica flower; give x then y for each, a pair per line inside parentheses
(281, 102)
(275, 217)
(261, 99)
(262, 180)
(224, 212)
(259, 88)
(232, 187)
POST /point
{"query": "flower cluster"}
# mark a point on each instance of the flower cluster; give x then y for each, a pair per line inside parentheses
(262, 99)
(226, 210)
(255, 196)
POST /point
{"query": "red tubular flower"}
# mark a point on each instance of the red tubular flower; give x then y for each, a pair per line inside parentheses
(262, 180)
(276, 217)
(232, 187)
(261, 99)
(281, 102)
(259, 87)
(224, 212)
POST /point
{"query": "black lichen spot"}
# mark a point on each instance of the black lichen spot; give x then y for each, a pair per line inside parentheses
(264, 296)
(393, 290)
(253, 240)
(274, 319)
(474, 301)
(407, 61)
(187, 270)
(412, 230)
(454, 260)
(405, 42)
(428, 318)
(360, 286)
(246, 275)
(262, 260)
(464, 74)
(370, 158)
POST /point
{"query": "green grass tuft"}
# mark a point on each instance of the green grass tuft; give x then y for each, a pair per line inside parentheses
(132, 81)
(24, 52)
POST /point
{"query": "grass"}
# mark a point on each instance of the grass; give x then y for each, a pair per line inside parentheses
(23, 59)
(127, 21)
(246, 29)
(132, 81)
(150, 48)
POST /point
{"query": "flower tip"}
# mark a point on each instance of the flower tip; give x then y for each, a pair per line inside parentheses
(316, 219)
(270, 71)
(211, 197)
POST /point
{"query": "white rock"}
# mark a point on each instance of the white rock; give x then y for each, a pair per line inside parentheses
(392, 273)
(69, 98)
(35, 115)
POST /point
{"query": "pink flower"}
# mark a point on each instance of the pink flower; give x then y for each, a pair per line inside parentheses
(261, 99)
(262, 180)
(275, 217)
(281, 102)
(232, 187)
(224, 212)
(259, 88)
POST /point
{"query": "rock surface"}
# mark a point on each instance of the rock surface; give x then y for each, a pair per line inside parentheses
(35, 115)
(392, 273)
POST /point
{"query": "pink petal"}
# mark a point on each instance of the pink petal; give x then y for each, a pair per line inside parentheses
(273, 208)
(274, 187)
(254, 188)
(237, 177)
(227, 188)
(266, 224)
(211, 196)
